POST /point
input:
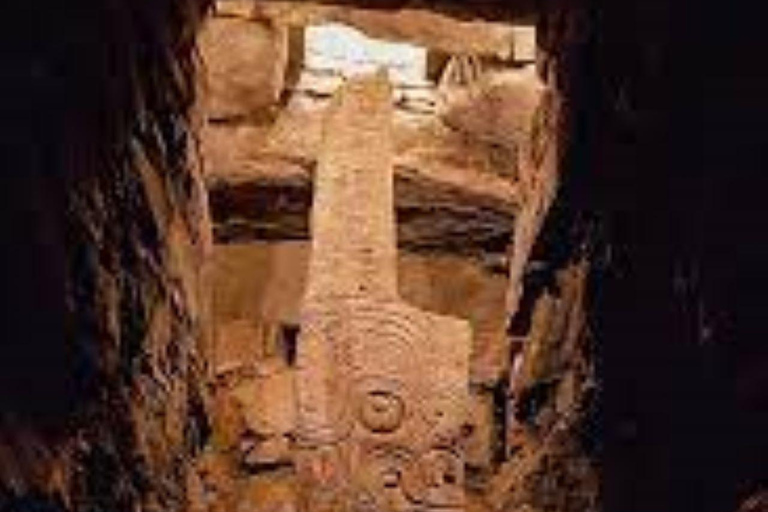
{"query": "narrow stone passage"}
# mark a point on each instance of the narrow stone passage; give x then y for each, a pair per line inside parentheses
(520, 270)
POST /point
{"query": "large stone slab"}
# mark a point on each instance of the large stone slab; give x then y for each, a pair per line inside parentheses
(519, 11)
(382, 387)
(245, 66)
(424, 28)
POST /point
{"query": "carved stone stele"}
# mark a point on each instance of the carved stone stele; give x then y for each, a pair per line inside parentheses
(382, 387)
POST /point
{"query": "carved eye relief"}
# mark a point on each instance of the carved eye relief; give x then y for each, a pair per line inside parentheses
(381, 411)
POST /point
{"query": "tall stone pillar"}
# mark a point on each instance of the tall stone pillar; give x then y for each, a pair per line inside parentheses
(353, 226)
(382, 387)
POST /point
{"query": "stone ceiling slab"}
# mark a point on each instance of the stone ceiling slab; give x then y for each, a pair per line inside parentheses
(519, 11)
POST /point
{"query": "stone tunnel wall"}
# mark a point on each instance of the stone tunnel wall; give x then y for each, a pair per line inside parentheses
(105, 233)
(660, 189)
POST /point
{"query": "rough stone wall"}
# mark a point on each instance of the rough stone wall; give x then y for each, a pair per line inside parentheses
(550, 464)
(104, 325)
(548, 460)
(245, 60)
(661, 177)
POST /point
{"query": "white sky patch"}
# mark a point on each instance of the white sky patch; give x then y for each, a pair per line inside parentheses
(345, 50)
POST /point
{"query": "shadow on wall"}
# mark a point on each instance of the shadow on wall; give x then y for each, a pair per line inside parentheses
(94, 121)
(666, 162)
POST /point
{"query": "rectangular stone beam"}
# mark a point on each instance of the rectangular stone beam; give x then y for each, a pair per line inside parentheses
(421, 27)
(517, 11)
(431, 215)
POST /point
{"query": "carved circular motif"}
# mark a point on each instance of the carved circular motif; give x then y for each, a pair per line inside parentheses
(381, 411)
(381, 404)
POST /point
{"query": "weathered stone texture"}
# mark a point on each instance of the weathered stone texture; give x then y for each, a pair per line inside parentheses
(480, 442)
(136, 336)
(490, 10)
(263, 283)
(456, 168)
(105, 233)
(245, 67)
(374, 429)
(353, 225)
(420, 27)
(551, 466)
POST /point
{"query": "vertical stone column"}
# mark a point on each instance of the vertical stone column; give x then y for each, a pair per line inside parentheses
(353, 227)
(381, 386)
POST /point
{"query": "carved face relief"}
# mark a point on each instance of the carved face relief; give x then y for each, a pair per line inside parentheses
(436, 479)
(380, 477)
(324, 471)
(381, 411)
